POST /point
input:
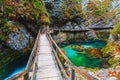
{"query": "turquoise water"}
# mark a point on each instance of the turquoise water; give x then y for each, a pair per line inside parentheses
(93, 44)
(82, 58)
(16, 71)
(19, 65)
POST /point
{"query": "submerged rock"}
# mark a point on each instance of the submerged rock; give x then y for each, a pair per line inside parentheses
(78, 48)
(94, 52)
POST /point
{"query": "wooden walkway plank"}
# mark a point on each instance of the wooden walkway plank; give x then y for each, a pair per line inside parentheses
(47, 67)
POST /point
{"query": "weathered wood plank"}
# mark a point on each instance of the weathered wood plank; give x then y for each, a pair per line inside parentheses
(47, 67)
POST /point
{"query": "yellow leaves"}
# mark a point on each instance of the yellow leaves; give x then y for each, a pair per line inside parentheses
(9, 24)
(111, 14)
(18, 10)
(66, 14)
(44, 19)
(100, 10)
(106, 2)
(74, 10)
(116, 29)
(90, 5)
(14, 29)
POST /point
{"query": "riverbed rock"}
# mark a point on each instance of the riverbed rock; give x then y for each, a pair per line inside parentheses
(78, 48)
(61, 37)
(54, 8)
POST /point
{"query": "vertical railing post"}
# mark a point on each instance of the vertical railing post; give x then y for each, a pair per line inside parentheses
(72, 74)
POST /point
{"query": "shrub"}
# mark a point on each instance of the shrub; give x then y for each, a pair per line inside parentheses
(26, 9)
(109, 49)
(4, 30)
(74, 10)
(116, 29)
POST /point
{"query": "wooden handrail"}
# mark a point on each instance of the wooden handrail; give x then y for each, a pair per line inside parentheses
(76, 70)
(57, 59)
(31, 62)
(33, 53)
(16, 77)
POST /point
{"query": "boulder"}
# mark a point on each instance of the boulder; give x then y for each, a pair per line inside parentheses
(91, 35)
(18, 38)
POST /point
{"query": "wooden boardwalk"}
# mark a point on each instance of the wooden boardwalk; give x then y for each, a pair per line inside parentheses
(47, 68)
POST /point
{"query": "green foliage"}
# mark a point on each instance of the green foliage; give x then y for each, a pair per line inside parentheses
(116, 29)
(3, 30)
(99, 7)
(111, 61)
(42, 14)
(108, 50)
(26, 9)
(68, 2)
(72, 11)
(114, 60)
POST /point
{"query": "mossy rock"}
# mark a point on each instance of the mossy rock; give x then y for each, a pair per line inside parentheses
(94, 52)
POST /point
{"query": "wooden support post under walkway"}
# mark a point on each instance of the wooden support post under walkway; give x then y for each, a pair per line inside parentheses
(47, 68)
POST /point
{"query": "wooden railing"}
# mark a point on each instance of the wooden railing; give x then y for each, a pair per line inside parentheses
(32, 62)
(30, 72)
(68, 70)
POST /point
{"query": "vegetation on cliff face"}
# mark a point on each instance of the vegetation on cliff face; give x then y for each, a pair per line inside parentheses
(3, 30)
(108, 50)
(23, 11)
(72, 9)
(116, 29)
(100, 12)
(27, 10)
(98, 7)
(90, 12)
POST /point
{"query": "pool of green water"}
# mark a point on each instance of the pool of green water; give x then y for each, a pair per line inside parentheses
(82, 58)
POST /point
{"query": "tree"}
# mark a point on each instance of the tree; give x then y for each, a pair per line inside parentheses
(29, 10)
(100, 10)
(72, 9)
